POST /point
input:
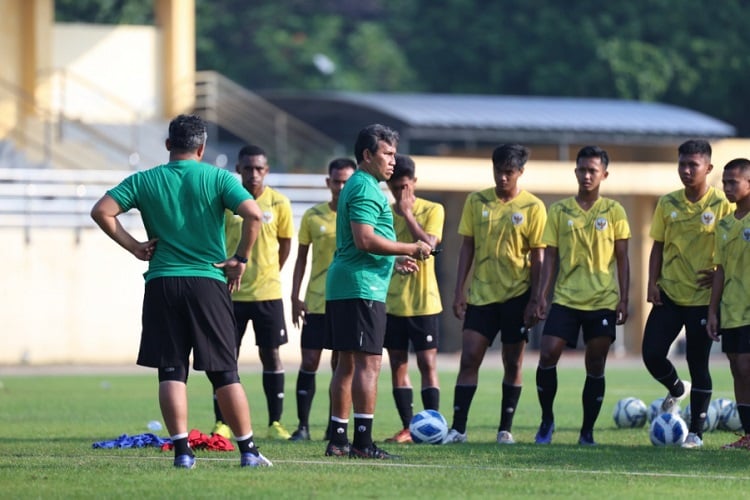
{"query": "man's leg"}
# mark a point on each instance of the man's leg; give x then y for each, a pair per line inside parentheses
(305, 392)
(403, 394)
(273, 387)
(364, 396)
(512, 383)
(341, 403)
(592, 397)
(551, 348)
(427, 364)
(473, 348)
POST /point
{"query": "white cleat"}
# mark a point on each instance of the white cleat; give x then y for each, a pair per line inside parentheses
(454, 437)
(670, 403)
(505, 437)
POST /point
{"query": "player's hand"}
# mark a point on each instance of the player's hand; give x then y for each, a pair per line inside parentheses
(299, 311)
(145, 250)
(705, 278)
(540, 312)
(459, 306)
(405, 201)
(712, 327)
(653, 295)
(422, 250)
(405, 265)
(529, 314)
(621, 313)
(233, 270)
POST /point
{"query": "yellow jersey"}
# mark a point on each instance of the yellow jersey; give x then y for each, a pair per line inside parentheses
(687, 231)
(262, 278)
(318, 228)
(503, 233)
(417, 294)
(733, 253)
(585, 242)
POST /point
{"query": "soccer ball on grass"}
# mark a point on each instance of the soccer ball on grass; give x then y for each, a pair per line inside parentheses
(428, 426)
(630, 412)
(668, 429)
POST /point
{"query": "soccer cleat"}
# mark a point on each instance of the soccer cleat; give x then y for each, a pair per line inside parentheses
(301, 434)
(544, 434)
(277, 431)
(253, 460)
(454, 437)
(692, 441)
(586, 438)
(402, 436)
(222, 429)
(505, 437)
(184, 461)
(338, 450)
(371, 451)
(741, 443)
(669, 405)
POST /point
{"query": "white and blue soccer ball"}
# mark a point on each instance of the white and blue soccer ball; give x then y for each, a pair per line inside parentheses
(724, 409)
(733, 422)
(654, 409)
(629, 413)
(711, 421)
(428, 426)
(668, 429)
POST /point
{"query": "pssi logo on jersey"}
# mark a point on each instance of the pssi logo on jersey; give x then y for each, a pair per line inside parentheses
(485, 213)
(673, 215)
(746, 234)
(600, 224)
(516, 218)
(708, 218)
(322, 229)
(267, 217)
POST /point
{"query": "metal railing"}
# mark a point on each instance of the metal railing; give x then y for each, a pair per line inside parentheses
(32, 198)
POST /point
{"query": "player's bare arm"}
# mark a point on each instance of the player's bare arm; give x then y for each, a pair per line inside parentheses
(623, 279)
(105, 213)
(654, 271)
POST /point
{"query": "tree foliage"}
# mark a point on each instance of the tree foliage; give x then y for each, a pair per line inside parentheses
(682, 52)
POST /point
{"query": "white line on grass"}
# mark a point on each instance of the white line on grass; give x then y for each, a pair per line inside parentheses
(382, 463)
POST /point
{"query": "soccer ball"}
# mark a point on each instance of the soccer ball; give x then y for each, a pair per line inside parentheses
(428, 426)
(654, 409)
(732, 422)
(668, 429)
(630, 412)
(712, 417)
(724, 408)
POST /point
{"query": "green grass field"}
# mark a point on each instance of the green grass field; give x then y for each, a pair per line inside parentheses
(48, 424)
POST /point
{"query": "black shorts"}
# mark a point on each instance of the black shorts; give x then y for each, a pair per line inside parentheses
(669, 318)
(355, 325)
(183, 314)
(503, 317)
(268, 322)
(567, 323)
(736, 340)
(313, 335)
(422, 331)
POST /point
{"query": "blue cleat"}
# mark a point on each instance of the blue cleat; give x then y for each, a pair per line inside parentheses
(544, 434)
(184, 461)
(586, 438)
(253, 460)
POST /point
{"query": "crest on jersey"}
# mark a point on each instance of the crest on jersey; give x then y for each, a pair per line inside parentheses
(708, 218)
(516, 218)
(485, 213)
(746, 234)
(673, 215)
(267, 217)
(600, 224)
(322, 229)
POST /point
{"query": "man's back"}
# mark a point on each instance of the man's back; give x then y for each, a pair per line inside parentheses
(182, 204)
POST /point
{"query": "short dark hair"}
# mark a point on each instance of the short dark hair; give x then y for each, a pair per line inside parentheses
(186, 133)
(512, 155)
(341, 163)
(741, 164)
(593, 152)
(251, 150)
(404, 168)
(369, 137)
(695, 147)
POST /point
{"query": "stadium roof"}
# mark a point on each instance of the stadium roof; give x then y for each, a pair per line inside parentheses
(493, 118)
